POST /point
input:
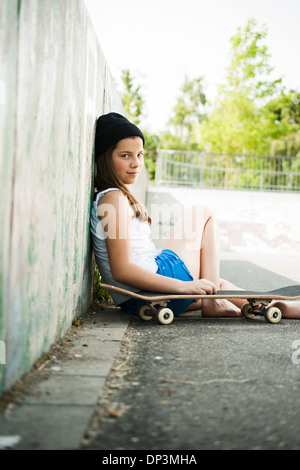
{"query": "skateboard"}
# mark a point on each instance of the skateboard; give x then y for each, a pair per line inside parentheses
(257, 302)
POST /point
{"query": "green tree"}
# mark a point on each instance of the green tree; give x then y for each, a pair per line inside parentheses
(284, 113)
(131, 97)
(240, 121)
(249, 69)
(188, 112)
(152, 143)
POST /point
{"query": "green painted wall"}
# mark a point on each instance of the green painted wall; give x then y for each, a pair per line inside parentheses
(54, 82)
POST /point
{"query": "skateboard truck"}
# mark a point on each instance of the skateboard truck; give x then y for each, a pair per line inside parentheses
(157, 309)
(260, 307)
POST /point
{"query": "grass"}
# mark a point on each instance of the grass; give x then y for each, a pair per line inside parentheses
(100, 295)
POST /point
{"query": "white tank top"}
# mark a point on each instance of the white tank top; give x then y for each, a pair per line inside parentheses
(143, 249)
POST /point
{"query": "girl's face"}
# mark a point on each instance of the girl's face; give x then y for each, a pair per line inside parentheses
(128, 159)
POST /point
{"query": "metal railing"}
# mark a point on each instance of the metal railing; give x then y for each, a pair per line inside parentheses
(227, 171)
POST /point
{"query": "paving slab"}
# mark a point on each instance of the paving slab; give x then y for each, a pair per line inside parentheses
(59, 398)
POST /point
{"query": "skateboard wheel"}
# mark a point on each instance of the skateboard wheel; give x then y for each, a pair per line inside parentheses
(165, 316)
(247, 311)
(143, 312)
(273, 315)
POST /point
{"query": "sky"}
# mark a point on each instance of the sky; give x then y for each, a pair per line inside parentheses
(163, 41)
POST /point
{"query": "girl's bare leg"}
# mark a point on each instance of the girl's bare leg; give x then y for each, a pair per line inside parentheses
(234, 305)
(195, 239)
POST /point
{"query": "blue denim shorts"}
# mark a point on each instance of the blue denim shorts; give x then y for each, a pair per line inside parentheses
(169, 265)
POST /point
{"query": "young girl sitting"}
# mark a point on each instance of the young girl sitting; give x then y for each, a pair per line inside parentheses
(120, 226)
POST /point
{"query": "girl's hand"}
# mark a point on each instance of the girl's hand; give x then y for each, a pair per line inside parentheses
(200, 286)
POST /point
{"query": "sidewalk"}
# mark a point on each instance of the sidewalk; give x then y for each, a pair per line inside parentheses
(56, 400)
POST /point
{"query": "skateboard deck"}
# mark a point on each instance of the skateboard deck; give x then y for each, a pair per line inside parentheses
(257, 302)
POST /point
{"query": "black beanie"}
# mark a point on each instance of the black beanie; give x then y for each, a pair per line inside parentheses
(111, 128)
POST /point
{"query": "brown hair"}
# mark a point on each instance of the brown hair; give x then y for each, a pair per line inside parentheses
(105, 177)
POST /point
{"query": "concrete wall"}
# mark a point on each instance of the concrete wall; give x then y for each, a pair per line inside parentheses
(54, 82)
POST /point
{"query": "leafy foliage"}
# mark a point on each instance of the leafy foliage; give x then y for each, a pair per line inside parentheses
(240, 121)
(131, 97)
(100, 295)
(188, 112)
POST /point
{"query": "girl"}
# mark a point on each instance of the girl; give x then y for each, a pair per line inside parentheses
(120, 226)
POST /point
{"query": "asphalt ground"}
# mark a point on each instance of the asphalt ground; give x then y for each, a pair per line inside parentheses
(117, 383)
(204, 384)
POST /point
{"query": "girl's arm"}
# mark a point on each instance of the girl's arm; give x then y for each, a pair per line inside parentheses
(116, 215)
